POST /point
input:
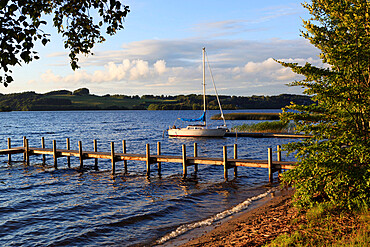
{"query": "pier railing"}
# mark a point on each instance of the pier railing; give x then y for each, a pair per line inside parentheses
(186, 161)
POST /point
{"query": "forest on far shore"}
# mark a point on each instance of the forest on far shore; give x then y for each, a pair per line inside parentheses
(81, 99)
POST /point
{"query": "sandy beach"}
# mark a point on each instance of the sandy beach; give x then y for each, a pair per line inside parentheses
(255, 227)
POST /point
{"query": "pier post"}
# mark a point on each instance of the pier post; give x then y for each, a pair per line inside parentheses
(24, 145)
(278, 153)
(112, 158)
(147, 159)
(235, 157)
(9, 147)
(26, 152)
(80, 154)
(195, 155)
(96, 150)
(184, 165)
(124, 151)
(159, 163)
(43, 146)
(225, 161)
(279, 156)
(68, 157)
(55, 154)
(270, 166)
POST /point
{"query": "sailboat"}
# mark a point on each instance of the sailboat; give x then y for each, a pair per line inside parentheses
(201, 129)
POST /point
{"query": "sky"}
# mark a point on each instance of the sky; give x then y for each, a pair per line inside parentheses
(159, 52)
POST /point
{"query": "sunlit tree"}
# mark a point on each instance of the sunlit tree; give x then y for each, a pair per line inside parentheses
(333, 165)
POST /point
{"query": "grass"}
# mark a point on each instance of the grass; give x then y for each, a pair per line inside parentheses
(266, 127)
(324, 226)
(248, 116)
(91, 101)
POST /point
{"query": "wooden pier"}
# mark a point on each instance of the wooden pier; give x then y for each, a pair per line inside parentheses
(148, 157)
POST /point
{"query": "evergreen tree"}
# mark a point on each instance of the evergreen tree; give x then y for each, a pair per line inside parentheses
(333, 165)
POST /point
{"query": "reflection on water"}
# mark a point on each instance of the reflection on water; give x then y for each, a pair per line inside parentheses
(43, 206)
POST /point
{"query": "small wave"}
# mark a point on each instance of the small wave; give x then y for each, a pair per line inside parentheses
(207, 222)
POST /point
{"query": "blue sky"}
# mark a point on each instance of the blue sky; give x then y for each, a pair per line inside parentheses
(159, 51)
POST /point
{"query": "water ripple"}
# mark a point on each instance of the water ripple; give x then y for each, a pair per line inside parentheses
(41, 206)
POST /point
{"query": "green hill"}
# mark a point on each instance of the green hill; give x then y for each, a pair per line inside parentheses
(81, 99)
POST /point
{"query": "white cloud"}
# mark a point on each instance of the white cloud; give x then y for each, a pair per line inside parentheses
(50, 76)
(269, 64)
(174, 67)
(261, 21)
(269, 70)
(139, 70)
(126, 70)
(160, 66)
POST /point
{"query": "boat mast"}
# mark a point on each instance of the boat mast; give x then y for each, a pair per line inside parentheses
(204, 84)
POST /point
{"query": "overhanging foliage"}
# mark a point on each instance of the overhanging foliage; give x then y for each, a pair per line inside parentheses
(21, 26)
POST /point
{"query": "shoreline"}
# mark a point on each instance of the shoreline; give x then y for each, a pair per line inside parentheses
(258, 225)
(198, 232)
(265, 135)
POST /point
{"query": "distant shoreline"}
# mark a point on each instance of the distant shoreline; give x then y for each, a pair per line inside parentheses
(265, 135)
(81, 99)
(248, 116)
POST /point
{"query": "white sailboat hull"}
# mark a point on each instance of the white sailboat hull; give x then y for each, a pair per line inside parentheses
(193, 131)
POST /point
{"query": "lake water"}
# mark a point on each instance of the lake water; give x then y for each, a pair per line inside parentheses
(41, 206)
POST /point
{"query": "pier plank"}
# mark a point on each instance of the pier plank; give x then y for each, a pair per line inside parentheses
(154, 158)
(15, 150)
